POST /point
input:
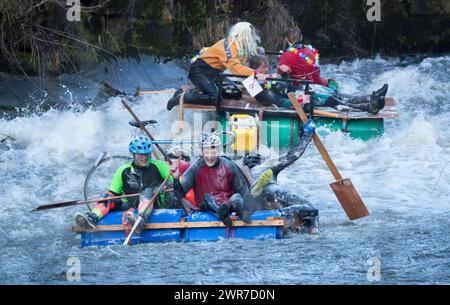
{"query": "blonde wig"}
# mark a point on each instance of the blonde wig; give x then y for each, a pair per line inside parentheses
(243, 34)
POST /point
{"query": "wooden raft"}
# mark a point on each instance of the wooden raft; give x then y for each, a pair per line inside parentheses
(249, 105)
(270, 222)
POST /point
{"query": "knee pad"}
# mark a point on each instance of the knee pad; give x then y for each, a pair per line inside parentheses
(146, 194)
(210, 203)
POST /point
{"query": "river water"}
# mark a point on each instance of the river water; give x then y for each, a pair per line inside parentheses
(402, 178)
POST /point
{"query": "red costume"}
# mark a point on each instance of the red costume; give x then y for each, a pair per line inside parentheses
(303, 62)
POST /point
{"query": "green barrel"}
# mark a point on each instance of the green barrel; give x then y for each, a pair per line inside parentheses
(283, 131)
(277, 131)
(363, 129)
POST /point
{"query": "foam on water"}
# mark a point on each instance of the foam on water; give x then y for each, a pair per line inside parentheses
(397, 176)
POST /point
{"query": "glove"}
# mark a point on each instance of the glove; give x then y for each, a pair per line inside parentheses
(308, 108)
(252, 161)
(309, 127)
(332, 84)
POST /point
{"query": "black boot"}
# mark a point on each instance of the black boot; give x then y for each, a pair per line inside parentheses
(373, 105)
(377, 99)
(86, 221)
(382, 91)
(223, 212)
(175, 100)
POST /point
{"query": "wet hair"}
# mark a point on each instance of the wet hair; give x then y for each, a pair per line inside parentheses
(243, 34)
(255, 62)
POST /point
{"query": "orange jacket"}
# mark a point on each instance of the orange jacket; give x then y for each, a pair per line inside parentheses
(216, 57)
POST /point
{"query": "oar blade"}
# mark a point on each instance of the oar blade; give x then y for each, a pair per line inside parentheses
(56, 205)
(349, 199)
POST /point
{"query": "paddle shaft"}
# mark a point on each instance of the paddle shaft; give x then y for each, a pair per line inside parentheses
(323, 152)
(150, 204)
(330, 114)
(157, 91)
(273, 53)
(166, 157)
(175, 142)
(301, 81)
(76, 202)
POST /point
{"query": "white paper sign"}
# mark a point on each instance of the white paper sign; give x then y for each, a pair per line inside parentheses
(252, 86)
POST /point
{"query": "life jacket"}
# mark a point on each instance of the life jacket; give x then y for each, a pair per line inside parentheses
(216, 180)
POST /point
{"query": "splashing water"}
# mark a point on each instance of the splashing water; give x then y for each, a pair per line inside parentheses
(401, 178)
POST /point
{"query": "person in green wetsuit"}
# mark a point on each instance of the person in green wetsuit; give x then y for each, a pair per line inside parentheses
(140, 175)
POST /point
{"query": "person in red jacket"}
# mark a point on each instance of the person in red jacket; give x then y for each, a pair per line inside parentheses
(300, 61)
(218, 183)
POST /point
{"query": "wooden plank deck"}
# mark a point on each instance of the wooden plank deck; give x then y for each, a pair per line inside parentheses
(277, 222)
(249, 105)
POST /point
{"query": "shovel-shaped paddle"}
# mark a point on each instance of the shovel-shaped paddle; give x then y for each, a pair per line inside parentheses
(343, 188)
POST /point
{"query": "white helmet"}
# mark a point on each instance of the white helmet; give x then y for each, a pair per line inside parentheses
(175, 152)
(210, 140)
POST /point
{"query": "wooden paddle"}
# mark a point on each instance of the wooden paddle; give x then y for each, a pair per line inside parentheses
(76, 202)
(328, 114)
(343, 188)
(139, 92)
(282, 80)
(142, 127)
(149, 207)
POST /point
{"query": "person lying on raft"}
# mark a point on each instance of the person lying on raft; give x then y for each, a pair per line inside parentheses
(302, 62)
(205, 71)
(141, 175)
(218, 183)
(267, 194)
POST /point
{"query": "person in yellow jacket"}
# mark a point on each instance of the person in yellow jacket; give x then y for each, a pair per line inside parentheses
(229, 53)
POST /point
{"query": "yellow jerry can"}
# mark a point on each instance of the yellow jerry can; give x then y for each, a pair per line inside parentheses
(245, 128)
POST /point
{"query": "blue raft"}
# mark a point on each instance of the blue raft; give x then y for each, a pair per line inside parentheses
(166, 225)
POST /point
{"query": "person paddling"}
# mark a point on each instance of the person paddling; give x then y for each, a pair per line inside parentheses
(230, 53)
(218, 183)
(140, 175)
(267, 194)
